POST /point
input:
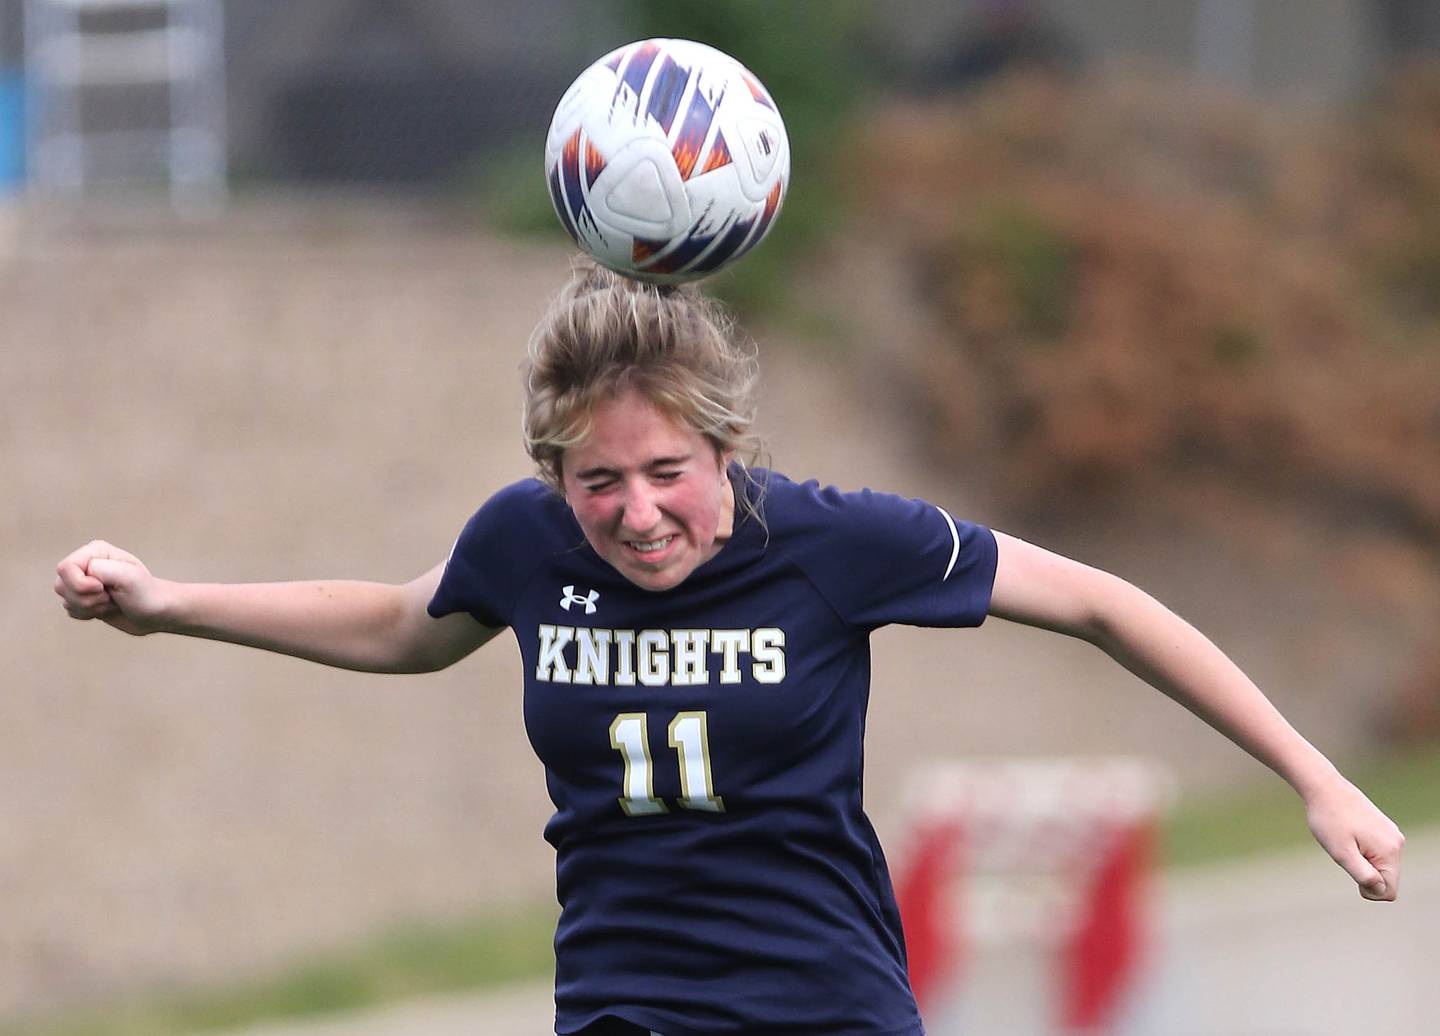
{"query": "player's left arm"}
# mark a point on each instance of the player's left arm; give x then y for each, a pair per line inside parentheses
(1038, 588)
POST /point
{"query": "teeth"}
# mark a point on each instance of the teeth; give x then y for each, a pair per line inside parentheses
(646, 548)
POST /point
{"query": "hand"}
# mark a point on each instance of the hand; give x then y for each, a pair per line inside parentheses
(1358, 837)
(101, 581)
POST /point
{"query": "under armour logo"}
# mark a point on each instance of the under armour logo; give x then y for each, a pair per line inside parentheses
(571, 597)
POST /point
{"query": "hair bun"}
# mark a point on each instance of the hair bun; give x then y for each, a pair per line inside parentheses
(591, 276)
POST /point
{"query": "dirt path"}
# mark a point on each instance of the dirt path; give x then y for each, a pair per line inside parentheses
(292, 394)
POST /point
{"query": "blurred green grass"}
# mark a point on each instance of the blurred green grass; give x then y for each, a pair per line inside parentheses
(406, 961)
(1267, 816)
(419, 960)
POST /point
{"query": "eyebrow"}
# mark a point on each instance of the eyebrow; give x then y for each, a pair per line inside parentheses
(600, 471)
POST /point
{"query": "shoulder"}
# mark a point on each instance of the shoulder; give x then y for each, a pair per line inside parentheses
(524, 507)
(524, 520)
(881, 558)
(527, 493)
(809, 508)
(511, 535)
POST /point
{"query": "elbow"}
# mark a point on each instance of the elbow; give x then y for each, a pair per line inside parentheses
(417, 665)
(1049, 591)
(409, 657)
(398, 643)
(427, 645)
(1103, 610)
(1127, 623)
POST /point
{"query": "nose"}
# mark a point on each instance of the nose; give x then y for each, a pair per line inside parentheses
(642, 511)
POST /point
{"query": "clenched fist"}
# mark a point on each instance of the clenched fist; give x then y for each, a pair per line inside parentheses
(101, 581)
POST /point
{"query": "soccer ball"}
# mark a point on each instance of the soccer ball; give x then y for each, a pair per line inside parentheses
(667, 159)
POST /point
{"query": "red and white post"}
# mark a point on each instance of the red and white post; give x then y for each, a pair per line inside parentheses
(1024, 889)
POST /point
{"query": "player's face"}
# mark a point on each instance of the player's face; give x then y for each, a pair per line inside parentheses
(650, 493)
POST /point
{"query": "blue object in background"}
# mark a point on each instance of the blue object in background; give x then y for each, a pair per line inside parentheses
(12, 129)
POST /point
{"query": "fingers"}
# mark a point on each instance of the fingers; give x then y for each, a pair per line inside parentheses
(111, 573)
(1384, 889)
(78, 604)
(85, 579)
(99, 610)
(1382, 892)
(1377, 888)
(71, 575)
(1359, 868)
(1359, 837)
(1376, 870)
(1386, 863)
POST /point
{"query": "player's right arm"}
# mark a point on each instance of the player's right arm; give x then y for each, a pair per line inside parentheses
(373, 627)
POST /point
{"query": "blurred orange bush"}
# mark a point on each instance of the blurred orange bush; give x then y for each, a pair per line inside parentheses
(1144, 280)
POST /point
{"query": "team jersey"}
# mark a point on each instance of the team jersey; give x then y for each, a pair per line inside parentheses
(703, 747)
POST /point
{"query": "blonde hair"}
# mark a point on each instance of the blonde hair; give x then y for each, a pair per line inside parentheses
(605, 334)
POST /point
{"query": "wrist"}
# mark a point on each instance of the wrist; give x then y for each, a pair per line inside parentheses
(173, 607)
(1315, 777)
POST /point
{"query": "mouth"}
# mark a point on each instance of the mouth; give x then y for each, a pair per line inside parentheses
(648, 550)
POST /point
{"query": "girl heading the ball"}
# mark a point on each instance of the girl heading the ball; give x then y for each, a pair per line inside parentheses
(695, 636)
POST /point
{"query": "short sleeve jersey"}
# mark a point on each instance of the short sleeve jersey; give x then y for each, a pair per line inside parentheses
(703, 747)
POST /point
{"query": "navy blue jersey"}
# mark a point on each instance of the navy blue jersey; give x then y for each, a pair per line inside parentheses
(703, 747)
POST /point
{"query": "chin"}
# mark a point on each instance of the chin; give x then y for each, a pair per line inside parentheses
(665, 579)
(656, 581)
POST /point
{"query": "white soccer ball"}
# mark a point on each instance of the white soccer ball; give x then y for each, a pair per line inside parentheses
(667, 159)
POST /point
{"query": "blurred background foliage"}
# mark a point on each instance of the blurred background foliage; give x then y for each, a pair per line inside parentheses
(1148, 290)
(1129, 270)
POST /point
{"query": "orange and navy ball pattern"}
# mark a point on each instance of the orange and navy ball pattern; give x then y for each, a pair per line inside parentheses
(653, 83)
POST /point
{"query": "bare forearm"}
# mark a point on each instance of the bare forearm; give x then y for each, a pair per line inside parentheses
(375, 627)
(1167, 652)
(1163, 649)
(1047, 590)
(352, 625)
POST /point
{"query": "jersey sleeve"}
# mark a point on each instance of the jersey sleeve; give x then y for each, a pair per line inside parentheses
(882, 559)
(483, 574)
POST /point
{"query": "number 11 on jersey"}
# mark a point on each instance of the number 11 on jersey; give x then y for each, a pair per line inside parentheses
(689, 736)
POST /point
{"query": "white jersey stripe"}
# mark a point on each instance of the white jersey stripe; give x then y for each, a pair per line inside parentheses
(955, 550)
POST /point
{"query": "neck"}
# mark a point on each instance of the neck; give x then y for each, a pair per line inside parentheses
(726, 525)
